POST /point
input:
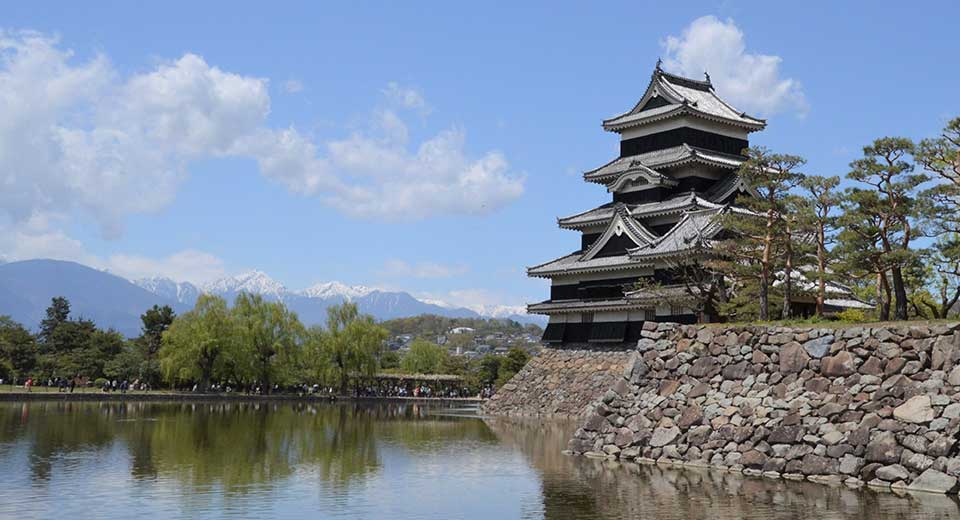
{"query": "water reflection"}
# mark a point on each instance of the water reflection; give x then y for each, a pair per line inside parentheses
(360, 461)
(578, 487)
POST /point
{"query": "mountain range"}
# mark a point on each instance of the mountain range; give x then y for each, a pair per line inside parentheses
(26, 288)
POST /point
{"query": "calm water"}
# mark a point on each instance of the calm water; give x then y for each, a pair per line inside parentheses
(67, 460)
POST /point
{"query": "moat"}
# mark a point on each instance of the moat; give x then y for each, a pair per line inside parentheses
(285, 460)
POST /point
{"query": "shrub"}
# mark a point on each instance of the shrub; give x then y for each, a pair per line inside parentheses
(852, 316)
(99, 382)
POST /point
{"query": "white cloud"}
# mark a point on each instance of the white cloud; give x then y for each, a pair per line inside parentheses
(77, 138)
(39, 237)
(74, 138)
(409, 98)
(78, 141)
(751, 82)
(293, 86)
(190, 265)
(395, 268)
(387, 179)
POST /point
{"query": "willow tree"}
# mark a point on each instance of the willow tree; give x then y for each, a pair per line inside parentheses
(197, 341)
(270, 337)
(756, 237)
(891, 199)
(423, 358)
(349, 346)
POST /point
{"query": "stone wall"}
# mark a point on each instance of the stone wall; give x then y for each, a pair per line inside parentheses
(866, 406)
(559, 382)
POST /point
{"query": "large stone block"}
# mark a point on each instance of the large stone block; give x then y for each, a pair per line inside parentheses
(934, 481)
(892, 473)
(841, 365)
(883, 448)
(917, 409)
(785, 435)
(664, 436)
(793, 358)
(692, 415)
(704, 367)
(817, 465)
(818, 347)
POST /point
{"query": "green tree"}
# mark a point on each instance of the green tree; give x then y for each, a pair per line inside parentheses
(752, 252)
(821, 200)
(940, 268)
(349, 346)
(389, 360)
(58, 312)
(423, 358)
(18, 349)
(463, 340)
(489, 370)
(269, 339)
(941, 156)
(889, 202)
(512, 363)
(127, 364)
(795, 245)
(154, 323)
(196, 341)
(76, 348)
(858, 248)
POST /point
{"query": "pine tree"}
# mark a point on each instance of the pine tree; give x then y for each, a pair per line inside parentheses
(822, 199)
(888, 207)
(941, 156)
(756, 237)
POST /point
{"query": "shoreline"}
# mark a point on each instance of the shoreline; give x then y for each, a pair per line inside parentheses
(199, 397)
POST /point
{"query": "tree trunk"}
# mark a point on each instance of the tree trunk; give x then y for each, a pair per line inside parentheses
(883, 296)
(821, 270)
(763, 293)
(786, 312)
(900, 291)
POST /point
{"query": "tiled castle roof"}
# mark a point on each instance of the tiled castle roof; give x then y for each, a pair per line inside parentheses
(679, 96)
(665, 158)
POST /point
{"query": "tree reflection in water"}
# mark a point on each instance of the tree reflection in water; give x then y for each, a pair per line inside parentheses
(234, 446)
(397, 461)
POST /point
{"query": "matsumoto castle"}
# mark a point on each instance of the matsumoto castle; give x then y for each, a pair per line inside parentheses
(680, 148)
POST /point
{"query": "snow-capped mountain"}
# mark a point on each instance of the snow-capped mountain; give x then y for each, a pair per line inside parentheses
(183, 292)
(252, 282)
(506, 312)
(311, 303)
(334, 289)
(26, 288)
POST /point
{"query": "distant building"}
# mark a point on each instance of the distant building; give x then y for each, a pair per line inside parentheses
(461, 330)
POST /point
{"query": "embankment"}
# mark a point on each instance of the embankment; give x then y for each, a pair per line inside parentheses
(877, 406)
(557, 382)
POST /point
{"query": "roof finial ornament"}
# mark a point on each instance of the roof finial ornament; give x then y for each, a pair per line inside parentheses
(659, 64)
(707, 75)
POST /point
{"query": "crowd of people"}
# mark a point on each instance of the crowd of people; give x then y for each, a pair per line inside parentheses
(393, 389)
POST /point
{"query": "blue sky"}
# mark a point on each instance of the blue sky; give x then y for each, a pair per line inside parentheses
(419, 146)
